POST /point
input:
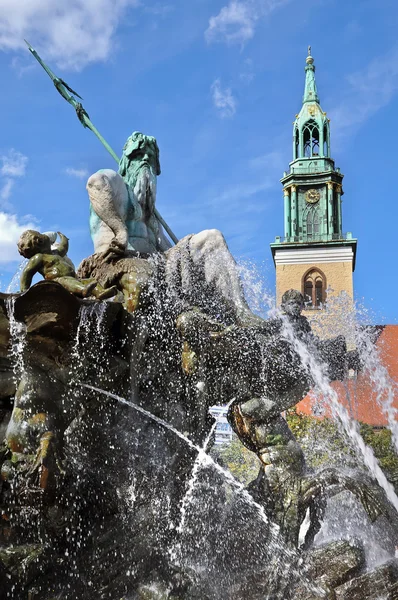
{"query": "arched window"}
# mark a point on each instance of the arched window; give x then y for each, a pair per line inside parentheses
(314, 289)
(311, 139)
(297, 143)
(325, 141)
(308, 288)
(312, 222)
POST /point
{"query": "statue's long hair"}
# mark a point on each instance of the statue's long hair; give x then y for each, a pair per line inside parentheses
(135, 142)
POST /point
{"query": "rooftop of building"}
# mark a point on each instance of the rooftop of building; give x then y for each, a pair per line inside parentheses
(369, 395)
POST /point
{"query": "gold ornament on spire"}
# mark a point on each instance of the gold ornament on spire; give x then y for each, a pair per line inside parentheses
(309, 60)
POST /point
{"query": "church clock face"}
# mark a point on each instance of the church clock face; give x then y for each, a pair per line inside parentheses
(312, 196)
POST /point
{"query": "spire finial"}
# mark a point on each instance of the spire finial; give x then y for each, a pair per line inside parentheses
(309, 60)
(310, 91)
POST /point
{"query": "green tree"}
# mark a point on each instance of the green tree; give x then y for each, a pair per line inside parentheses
(243, 464)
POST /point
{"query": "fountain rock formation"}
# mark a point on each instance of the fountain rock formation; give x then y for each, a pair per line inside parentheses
(107, 490)
(92, 489)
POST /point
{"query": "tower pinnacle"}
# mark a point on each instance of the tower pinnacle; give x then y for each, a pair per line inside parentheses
(310, 91)
(314, 255)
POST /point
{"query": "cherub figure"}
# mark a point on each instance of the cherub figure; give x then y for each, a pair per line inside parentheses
(54, 265)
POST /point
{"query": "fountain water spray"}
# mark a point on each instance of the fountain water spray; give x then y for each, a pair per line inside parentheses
(349, 425)
(195, 472)
(382, 384)
(15, 282)
(290, 554)
(18, 339)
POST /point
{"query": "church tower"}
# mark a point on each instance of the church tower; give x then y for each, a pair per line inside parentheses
(314, 256)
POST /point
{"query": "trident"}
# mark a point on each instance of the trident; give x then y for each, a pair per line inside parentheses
(64, 89)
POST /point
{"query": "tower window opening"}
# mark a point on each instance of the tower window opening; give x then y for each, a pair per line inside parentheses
(312, 223)
(307, 143)
(314, 289)
(325, 142)
(318, 292)
(311, 139)
(308, 292)
(297, 143)
(309, 225)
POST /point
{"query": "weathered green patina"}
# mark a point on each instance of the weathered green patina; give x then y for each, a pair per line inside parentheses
(67, 93)
(54, 265)
(313, 186)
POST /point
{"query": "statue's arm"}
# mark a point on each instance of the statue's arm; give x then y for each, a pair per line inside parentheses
(33, 267)
(63, 246)
(332, 482)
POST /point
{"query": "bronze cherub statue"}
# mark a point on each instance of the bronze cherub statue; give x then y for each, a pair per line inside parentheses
(54, 265)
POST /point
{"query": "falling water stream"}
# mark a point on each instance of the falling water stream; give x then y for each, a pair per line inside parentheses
(14, 285)
(382, 383)
(340, 414)
(292, 557)
(205, 458)
(322, 389)
(93, 315)
(198, 464)
(87, 314)
(17, 339)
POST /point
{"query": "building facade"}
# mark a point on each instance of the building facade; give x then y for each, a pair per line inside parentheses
(223, 433)
(314, 256)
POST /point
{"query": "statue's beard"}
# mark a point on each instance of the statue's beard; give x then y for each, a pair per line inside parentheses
(145, 188)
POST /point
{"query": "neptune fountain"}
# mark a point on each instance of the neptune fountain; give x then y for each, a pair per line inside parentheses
(108, 489)
(107, 375)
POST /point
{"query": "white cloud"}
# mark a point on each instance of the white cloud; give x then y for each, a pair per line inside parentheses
(73, 33)
(10, 230)
(271, 161)
(223, 100)
(247, 75)
(13, 164)
(370, 90)
(22, 65)
(78, 173)
(160, 9)
(236, 22)
(233, 195)
(6, 189)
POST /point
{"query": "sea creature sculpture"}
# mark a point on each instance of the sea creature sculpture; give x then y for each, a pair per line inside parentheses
(291, 494)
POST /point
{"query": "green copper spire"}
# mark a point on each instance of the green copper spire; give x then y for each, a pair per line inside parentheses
(312, 192)
(310, 91)
(311, 134)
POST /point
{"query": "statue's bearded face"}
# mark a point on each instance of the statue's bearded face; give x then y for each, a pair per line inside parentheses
(139, 166)
(143, 180)
(144, 158)
(142, 164)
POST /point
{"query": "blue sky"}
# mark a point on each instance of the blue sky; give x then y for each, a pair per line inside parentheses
(218, 82)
